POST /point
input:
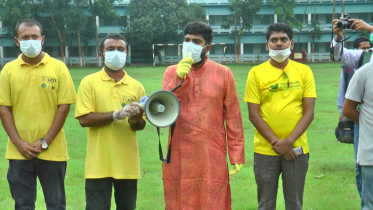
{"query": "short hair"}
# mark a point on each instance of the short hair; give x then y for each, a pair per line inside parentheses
(28, 22)
(199, 28)
(359, 40)
(115, 37)
(279, 27)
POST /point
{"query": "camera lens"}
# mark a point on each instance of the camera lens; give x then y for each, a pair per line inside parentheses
(342, 24)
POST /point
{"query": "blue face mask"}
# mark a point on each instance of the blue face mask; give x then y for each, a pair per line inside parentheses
(191, 50)
(115, 60)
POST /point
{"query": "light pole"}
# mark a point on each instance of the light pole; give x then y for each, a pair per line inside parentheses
(224, 53)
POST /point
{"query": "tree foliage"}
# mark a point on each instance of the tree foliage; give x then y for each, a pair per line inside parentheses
(154, 21)
(285, 12)
(242, 13)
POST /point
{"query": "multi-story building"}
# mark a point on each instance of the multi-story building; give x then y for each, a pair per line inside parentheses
(252, 42)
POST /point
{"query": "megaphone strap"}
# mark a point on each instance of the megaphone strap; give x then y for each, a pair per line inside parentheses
(168, 157)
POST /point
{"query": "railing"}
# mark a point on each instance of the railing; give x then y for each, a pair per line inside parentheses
(169, 60)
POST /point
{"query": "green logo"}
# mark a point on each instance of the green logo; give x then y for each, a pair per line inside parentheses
(43, 85)
(123, 104)
(274, 87)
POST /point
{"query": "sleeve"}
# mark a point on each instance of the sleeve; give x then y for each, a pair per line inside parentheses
(233, 120)
(66, 89)
(5, 99)
(252, 92)
(355, 90)
(349, 57)
(171, 80)
(84, 103)
(341, 93)
(309, 85)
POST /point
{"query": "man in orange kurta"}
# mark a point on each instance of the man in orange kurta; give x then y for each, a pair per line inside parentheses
(197, 177)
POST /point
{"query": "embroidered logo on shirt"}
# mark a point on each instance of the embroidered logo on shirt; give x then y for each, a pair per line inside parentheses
(274, 87)
(127, 100)
(49, 82)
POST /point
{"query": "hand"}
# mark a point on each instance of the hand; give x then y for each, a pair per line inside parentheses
(336, 30)
(184, 66)
(341, 117)
(361, 25)
(37, 145)
(237, 167)
(136, 118)
(291, 155)
(281, 147)
(128, 110)
(26, 150)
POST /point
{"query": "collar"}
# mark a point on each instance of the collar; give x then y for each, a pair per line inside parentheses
(105, 77)
(43, 61)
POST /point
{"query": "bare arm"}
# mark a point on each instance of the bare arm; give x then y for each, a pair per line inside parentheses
(259, 123)
(305, 121)
(286, 147)
(24, 148)
(350, 111)
(96, 119)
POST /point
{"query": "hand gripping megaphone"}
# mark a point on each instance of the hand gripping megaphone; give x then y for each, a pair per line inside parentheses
(162, 108)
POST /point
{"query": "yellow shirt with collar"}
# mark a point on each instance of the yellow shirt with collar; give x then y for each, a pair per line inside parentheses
(112, 150)
(34, 93)
(280, 95)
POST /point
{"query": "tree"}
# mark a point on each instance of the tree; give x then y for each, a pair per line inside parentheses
(316, 32)
(285, 12)
(86, 33)
(304, 18)
(242, 11)
(102, 9)
(77, 20)
(155, 21)
(59, 9)
(13, 11)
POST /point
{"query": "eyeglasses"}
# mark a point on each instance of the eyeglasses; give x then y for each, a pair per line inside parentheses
(276, 87)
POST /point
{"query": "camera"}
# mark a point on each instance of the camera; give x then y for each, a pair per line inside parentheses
(344, 23)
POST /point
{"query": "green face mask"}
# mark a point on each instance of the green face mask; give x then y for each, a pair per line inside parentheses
(371, 38)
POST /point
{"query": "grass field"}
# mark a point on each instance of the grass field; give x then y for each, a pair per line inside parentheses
(332, 161)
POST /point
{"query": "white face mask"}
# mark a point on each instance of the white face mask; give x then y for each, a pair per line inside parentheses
(115, 60)
(279, 55)
(191, 50)
(30, 48)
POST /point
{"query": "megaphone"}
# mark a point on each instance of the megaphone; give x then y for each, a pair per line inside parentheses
(162, 108)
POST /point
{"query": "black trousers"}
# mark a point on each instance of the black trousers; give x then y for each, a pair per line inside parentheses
(98, 193)
(22, 183)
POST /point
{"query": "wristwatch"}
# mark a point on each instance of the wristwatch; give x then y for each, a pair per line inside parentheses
(44, 144)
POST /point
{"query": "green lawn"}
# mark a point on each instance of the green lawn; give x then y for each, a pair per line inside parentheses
(332, 161)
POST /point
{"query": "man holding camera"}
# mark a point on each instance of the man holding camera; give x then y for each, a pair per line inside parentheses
(354, 96)
(346, 75)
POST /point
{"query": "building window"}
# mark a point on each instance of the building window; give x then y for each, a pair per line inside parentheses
(170, 50)
(218, 19)
(122, 21)
(11, 52)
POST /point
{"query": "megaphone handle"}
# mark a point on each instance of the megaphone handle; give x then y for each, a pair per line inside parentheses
(168, 157)
(175, 88)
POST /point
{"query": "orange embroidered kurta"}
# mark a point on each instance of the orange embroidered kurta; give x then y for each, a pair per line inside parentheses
(197, 177)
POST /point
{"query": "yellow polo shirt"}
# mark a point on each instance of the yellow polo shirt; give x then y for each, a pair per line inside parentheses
(33, 93)
(112, 150)
(280, 95)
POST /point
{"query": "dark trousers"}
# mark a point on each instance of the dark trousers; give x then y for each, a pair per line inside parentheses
(267, 170)
(98, 193)
(22, 183)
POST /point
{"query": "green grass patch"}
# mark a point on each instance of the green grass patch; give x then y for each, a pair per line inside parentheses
(336, 189)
